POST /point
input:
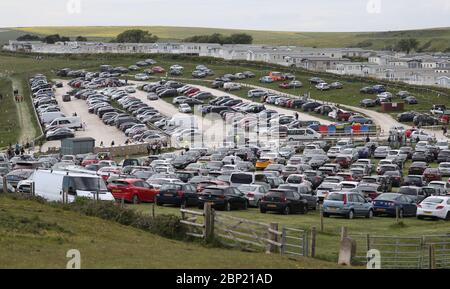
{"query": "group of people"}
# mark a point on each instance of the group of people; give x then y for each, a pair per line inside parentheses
(17, 150)
(154, 148)
(18, 98)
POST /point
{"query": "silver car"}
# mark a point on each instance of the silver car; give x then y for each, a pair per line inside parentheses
(254, 193)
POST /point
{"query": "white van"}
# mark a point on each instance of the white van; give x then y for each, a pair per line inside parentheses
(183, 121)
(51, 184)
(65, 122)
(298, 134)
(48, 117)
(231, 86)
(241, 178)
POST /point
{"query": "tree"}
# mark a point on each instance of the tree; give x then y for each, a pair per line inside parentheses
(52, 39)
(241, 38)
(238, 38)
(136, 36)
(29, 37)
(407, 45)
(81, 39)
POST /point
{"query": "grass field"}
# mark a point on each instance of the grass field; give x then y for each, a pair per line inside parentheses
(34, 235)
(9, 125)
(436, 39)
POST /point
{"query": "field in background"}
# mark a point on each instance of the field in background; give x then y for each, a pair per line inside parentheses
(9, 126)
(439, 37)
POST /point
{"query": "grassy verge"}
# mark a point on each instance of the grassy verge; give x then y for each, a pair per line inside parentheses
(34, 235)
(9, 125)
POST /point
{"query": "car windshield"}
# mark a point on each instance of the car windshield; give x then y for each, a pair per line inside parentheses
(88, 184)
(172, 187)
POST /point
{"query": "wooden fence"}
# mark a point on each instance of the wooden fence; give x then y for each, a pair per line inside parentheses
(239, 232)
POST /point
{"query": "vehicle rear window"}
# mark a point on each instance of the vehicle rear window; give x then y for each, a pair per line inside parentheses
(119, 183)
(408, 191)
(171, 187)
(217, 192)
(434, 200)
(336, 197)
(386, 197)
(242, 178)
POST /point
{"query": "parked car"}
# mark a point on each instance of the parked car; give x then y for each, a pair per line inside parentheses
(391, 203)
(434, 207)
(223, 197)
(283, 201)
(177, 194)
(132, 190)
(347, 204)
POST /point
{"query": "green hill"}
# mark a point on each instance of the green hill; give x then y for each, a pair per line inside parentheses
(34, 235)
(435, 39)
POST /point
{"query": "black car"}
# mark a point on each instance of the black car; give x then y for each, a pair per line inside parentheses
(310, 106)
(417, 168)
(223, 197)
(394, 177)
(407, 116)
(414, 180)
(443, 156)
(416, 193)
(177, 194)
(283, 201)
(367, 103)
(424, 120)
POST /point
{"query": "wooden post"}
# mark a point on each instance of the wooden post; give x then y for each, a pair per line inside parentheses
(368, 242)
(313, 241)
(396, 215)
(271, 248)
(32, 189)
(344, 232)
(153, 209)
(5, 185)
(283, 240)
(122, 202)
(207, 220)
(321, 217)
(432, 257)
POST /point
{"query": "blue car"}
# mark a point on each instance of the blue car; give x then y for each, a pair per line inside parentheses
(387, 204)
(347, 204)
(266, 79)
(363, 152)
(379, 88)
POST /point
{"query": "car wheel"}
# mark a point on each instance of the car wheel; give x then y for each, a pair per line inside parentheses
(258, 204)
(326, 215)
(420, 217)
(305, 210)
(286, 210)
(136, 200)
(370, 214)
(245, 205)
(351, 215)
(447, 217)
(263, 211)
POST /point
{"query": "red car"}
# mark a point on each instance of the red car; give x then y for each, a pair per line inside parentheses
(343, 115)
(191, 91)
(90, 160)
(158, 69)
(284, 85)
(132, 190)
(347, 176)
(432, 174)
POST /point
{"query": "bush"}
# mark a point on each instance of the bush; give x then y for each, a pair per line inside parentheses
(168, 226)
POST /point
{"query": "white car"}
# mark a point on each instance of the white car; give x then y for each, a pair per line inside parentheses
(323, 86)
(334, 151)
(444, 169)
(229, 86)
(256, 93)
(422, 136)
(141, 77)
(434, 207)
(184, 108)
(130, 89)
(442, 144)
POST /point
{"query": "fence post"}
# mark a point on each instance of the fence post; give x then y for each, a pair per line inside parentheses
(207, 220)
(432, 257)
(321, 217)
(32, 189)
(283, 240)
(153, 209)
(271, 248)
(5, 185)
(368, 242)
(397, 214)
(122, 202)
(344, 232)
(313, 241)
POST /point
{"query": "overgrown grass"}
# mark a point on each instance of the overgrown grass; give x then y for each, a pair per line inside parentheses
(9, 125)
(38, 235)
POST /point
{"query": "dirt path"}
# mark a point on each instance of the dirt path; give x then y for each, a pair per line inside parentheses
(27, 130)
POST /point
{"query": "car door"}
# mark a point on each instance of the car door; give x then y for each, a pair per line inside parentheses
(148, 191)
(358, 203)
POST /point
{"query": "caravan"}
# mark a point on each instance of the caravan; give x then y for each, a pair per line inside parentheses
(50, 185)
(65, 122)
